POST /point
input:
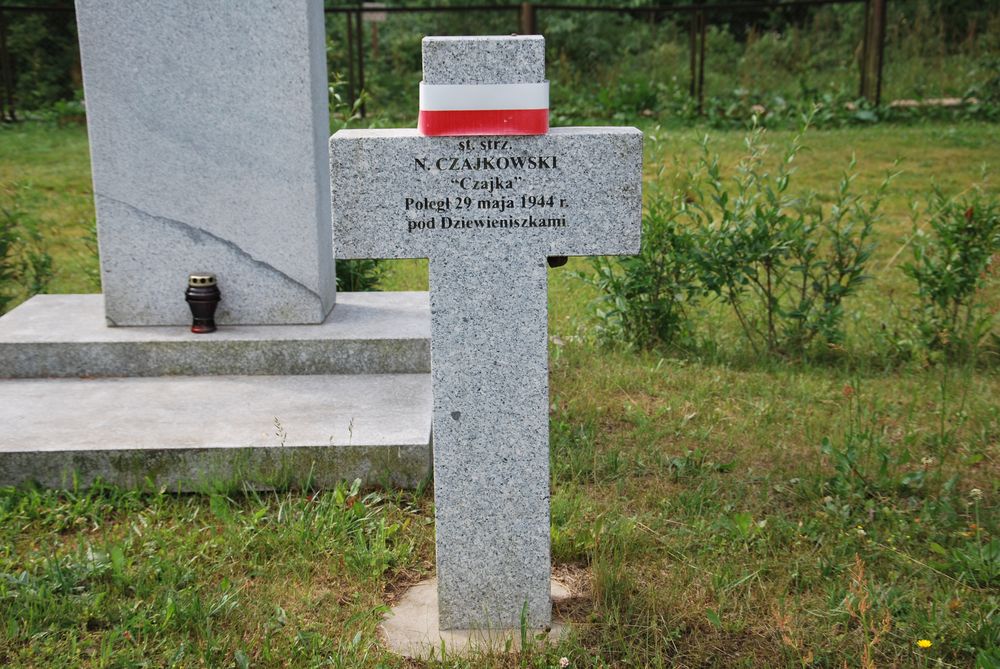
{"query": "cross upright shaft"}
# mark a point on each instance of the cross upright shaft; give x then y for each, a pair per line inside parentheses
(486, 211)
(491, 466)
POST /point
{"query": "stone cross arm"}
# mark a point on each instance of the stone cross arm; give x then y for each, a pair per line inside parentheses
(573, 191)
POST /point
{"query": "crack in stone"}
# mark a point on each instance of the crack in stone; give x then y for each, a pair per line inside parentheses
(194, 232)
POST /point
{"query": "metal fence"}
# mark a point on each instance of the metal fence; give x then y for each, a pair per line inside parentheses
(524, 19)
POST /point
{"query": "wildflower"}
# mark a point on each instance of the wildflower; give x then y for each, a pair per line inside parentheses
(924, 643)
(976, 494)
(848, 391)
(861, 531)
(927, 461)
(563, 662)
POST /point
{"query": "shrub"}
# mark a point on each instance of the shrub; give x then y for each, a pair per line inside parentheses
(952, 263)
(644, 299)
(357, 275)
(783, 264)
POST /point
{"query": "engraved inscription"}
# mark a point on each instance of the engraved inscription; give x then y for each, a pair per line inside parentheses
(494, 190)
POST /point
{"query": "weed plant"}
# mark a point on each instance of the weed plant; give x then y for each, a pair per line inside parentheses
(953, 260)
(25, 264)
(361, 274)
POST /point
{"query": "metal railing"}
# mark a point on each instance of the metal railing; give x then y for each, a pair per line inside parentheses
(524, 18)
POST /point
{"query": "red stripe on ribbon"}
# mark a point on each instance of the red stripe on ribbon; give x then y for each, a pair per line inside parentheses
(484, 122)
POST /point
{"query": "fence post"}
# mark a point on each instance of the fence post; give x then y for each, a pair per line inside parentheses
(703, 29)
(528, 25)
(7, 112)
(359, 29)
(873, 51)
(693, 51)
(696, 45)
(351, 95)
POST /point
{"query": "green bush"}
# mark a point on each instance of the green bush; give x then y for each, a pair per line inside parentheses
(644, 299)
(784, 264)
(952, 264)
(357, 275)
(65, 112)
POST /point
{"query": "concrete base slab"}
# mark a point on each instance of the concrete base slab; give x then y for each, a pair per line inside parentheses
(193, 433)
(68, 336)
(411, 628)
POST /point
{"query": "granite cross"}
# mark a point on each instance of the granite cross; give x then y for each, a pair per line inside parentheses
(487, 211)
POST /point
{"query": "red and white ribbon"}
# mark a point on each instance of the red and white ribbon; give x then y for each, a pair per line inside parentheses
(484, 109)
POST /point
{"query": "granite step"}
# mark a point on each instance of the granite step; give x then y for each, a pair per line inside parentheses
(66, 336)
(197, 433)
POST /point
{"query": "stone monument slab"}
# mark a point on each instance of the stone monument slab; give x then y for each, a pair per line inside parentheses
(208, 129)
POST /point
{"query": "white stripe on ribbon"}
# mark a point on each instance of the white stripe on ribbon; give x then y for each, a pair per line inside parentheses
(475, 97)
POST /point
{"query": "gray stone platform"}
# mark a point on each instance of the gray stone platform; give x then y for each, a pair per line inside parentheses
(67, 336)
(190, 433)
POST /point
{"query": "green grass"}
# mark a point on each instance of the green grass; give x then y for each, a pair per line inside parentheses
(45, 171)
(719, 511)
